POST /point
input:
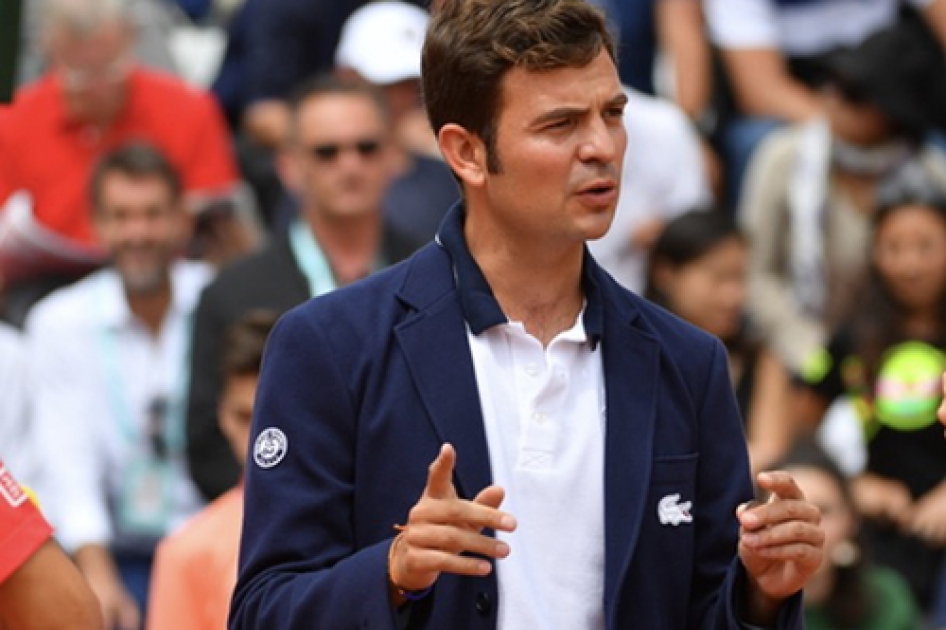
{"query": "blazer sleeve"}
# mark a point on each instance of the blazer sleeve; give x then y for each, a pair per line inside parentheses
(724, 481)
(300, 565)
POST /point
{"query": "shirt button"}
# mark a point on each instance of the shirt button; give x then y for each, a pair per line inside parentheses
(532, 369)
(483, 604)
(538, 417)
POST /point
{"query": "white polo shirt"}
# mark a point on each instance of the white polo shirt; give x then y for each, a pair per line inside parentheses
(543, 410)
(544, 420)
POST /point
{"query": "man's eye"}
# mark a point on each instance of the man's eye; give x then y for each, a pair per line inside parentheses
(562, 123)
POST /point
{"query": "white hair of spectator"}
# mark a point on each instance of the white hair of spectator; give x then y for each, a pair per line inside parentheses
(84, 17)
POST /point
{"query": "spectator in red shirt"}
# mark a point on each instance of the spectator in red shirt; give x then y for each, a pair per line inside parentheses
(94, 98)
(40, 588)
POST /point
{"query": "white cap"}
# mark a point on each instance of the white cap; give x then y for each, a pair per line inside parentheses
(382, 41)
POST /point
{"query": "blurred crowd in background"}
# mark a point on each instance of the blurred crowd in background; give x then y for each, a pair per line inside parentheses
(175, 174)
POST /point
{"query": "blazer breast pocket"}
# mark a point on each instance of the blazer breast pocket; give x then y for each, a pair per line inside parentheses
(669, 523)
(672, 485)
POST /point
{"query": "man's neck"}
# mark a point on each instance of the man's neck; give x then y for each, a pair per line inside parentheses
(150, 307)
(535, 284)
(100, 121)
(350, 244)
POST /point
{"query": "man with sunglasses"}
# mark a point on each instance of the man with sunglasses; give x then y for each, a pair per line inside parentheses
(109, 371)
(336, 162)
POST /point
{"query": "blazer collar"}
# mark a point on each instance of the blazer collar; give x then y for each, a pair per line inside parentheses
(480, 308)
(433, 339)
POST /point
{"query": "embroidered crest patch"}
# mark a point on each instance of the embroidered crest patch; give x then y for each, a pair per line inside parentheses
(270, 447)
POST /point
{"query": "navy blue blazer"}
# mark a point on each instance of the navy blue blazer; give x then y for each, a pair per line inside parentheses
(367, 382)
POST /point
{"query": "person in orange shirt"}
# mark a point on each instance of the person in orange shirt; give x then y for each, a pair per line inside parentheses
(94, 98)
(195, 568)
(40, 587)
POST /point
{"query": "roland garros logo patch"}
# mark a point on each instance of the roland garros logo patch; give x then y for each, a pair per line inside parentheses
(270, 447)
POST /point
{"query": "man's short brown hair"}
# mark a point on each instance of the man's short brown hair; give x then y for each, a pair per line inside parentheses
(138, 160)
(245, 343)
(472, 44)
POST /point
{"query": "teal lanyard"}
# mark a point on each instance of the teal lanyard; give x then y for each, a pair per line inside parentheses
(122, 407)
(311, 260)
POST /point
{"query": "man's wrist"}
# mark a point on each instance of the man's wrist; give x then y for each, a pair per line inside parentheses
(398, 594)
(759, 609)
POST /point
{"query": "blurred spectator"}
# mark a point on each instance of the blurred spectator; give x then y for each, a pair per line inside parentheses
(109, 368)
(95, 98)
(698, 270)
(40, 588)
(888, 359)
(286, 43)
(152, 20)
(775, 50)
(809, 194)
(15, 440)
(195, 568)
(381, 43)
(336, 164)
(775, 54)
(681, 32)
(647, 29)
(849, 591)
(652, 191)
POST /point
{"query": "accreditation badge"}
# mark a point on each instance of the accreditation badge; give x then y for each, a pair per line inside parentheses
(145, 502)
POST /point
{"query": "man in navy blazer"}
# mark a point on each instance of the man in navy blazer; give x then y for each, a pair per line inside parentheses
(495, 434)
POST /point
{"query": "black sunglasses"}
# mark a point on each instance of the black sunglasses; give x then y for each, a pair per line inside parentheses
(329, 152)
(157, 414)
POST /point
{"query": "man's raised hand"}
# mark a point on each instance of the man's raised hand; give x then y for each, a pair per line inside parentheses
(443, 529)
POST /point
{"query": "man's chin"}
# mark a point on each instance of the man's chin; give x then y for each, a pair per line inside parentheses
(353, 211)
(598, 226)
(143, 283)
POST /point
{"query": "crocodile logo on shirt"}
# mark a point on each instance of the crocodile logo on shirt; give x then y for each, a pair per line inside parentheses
(671, 512)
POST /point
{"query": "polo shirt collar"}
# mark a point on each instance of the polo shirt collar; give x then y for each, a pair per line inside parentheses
(113, 303)
(480, 308)
(67, 123)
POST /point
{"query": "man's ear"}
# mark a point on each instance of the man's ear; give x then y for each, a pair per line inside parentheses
(464, 153)
(288, 168)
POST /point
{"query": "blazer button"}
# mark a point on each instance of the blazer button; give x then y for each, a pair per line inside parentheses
(483, 605)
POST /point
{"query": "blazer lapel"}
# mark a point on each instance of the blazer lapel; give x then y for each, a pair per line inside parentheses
(631, 365)
(435, 346)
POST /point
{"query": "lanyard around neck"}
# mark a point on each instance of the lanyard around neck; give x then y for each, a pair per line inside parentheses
(171, 409)
(311, 259)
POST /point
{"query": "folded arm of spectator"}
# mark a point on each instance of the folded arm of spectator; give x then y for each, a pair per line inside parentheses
(763, 86)
(935, 14)
(681, 31)
(48, 593)
(118, 607)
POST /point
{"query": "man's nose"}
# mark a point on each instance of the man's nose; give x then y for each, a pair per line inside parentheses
(604, 142)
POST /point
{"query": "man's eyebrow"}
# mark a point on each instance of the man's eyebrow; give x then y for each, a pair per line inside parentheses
(567, 112)
(559, 113)
(619, 99)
